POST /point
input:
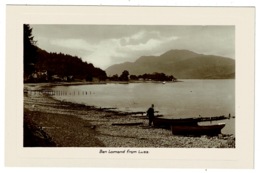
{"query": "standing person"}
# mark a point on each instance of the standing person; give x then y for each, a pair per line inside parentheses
(150, 114)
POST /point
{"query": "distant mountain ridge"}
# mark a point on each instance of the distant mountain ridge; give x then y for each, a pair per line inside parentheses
(182, 64)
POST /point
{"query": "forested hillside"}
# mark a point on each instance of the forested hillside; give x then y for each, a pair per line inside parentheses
(40, 65)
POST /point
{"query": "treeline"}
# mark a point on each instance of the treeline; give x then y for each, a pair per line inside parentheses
(41, 66)
(125, 76)
(66, 65)
(154, 77)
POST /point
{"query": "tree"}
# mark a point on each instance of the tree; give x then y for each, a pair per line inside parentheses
(89, 77)
(133, 77)
(29, 50)
(114, 78)
(124, 76)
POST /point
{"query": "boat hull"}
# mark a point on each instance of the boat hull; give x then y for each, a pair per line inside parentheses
(167, 123)
(210, 130)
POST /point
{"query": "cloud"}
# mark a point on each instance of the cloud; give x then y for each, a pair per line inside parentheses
(72, 43)
(149, 42)
(102, 53)
(110, 51)
(105, 45)
(140, 38)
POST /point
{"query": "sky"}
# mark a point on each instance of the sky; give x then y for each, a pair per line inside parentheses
(106, 45)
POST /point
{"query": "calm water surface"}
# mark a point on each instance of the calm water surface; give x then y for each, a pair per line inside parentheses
(189, 98)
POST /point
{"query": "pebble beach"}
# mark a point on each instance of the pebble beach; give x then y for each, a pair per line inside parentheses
(53, 123)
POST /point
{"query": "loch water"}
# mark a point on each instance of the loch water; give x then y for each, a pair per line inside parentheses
(187, 98)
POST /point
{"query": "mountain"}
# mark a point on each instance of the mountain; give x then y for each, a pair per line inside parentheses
(182, 64)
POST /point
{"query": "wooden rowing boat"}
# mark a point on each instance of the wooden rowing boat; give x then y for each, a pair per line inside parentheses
(167, 123)
(197, 130)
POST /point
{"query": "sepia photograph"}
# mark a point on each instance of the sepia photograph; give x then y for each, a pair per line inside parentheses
(129, 86)
(91, 86)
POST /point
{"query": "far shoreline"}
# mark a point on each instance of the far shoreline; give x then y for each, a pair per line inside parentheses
(112, 82)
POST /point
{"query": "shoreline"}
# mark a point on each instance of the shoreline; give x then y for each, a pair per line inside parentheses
(76, 125)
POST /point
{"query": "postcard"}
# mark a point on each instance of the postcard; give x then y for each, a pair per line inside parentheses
(106, 86)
